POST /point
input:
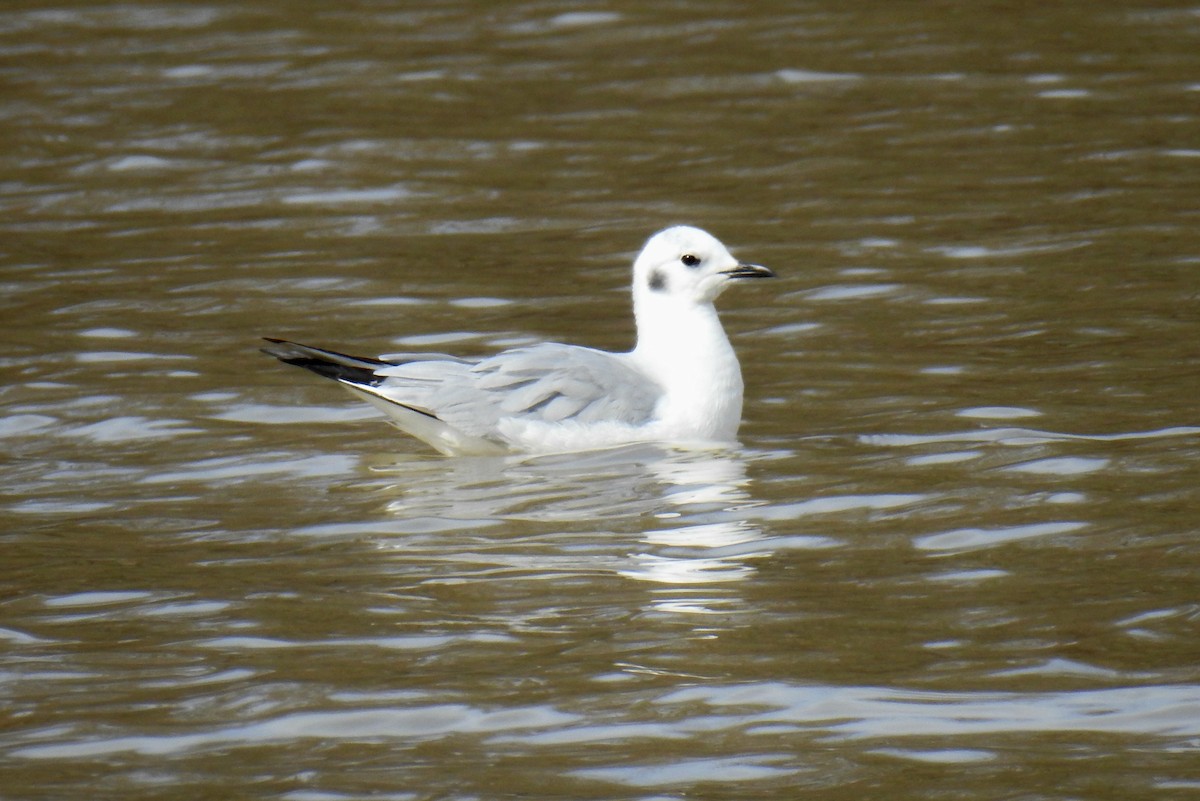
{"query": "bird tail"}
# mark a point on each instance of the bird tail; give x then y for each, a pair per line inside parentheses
(329, 363)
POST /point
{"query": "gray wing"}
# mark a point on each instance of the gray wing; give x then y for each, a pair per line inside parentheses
(547, 383)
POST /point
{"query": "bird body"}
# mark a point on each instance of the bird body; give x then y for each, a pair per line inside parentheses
(681, 382)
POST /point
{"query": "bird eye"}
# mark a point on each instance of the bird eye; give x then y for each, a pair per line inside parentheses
(689, 260)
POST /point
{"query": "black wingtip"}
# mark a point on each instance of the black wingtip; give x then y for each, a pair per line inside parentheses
(327, 363)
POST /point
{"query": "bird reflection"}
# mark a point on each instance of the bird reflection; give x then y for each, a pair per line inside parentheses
(685, 510)
(705, 541)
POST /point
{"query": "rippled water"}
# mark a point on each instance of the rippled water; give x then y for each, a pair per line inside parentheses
(955, 556)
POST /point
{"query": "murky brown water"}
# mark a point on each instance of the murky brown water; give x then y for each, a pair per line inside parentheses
(956, 557)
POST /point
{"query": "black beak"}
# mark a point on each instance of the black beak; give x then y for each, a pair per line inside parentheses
(749, 271)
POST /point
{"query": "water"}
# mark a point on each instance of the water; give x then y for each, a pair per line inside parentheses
(954, 556)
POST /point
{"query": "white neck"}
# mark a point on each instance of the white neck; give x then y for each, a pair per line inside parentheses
(683, 347)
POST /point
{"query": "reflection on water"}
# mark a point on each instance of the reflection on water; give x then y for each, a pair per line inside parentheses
(684, 489)
(956, 556)
(705, 528)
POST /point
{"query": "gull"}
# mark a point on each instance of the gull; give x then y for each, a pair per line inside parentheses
(681, 382)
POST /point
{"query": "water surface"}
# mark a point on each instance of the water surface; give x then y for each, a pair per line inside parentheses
(954, 554)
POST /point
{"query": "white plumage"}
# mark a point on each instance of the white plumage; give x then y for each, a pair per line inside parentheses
(681, 383)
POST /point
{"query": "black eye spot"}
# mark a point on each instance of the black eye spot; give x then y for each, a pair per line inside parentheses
(658, 281)
(689, 260)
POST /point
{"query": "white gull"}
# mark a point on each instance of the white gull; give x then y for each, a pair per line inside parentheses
(681, 383)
